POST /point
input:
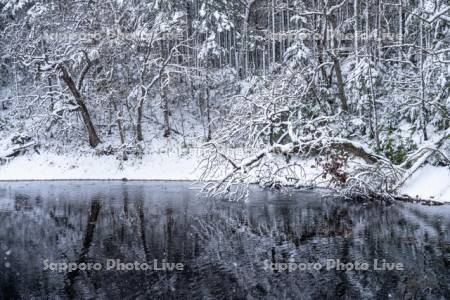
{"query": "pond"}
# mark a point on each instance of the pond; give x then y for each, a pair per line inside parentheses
(161, 240)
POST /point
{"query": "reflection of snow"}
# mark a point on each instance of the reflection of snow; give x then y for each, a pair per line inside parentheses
(6, 203)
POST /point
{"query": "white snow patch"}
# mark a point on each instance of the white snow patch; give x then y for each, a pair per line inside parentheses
(429, 182)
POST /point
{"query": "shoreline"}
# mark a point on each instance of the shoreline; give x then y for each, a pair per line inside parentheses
(101, 180)
(397, 197)
(165, 167)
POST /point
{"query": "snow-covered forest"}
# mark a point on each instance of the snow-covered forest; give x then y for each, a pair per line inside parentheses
(353, 94)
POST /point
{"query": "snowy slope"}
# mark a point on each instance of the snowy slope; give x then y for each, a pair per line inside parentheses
(429, 183)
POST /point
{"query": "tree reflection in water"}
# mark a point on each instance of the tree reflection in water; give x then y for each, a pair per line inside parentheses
(222, 245)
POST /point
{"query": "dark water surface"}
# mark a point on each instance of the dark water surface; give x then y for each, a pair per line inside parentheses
(225, 248)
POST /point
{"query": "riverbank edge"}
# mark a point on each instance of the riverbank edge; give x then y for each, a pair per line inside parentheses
(151, 168)
(383, 197)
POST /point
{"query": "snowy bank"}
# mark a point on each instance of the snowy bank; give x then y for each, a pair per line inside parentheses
(172, 164)
(429, 183)
(158, 166)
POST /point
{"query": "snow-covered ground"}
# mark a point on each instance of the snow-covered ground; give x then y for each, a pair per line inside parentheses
(175, 164)
(429, 183)
(158, 166)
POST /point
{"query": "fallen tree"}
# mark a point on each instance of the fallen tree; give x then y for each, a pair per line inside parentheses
(16, 150)
(372, 175)
(286, 167)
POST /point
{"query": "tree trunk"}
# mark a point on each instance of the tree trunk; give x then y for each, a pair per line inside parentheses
(355, 28)
(273, 35)
(340, 83)
(400, 29)
(243, 59)
(119, 122)
(423, 110)
(94, 140)
(337, 64)
(165, 107)
(140, 112)
(208, 116)
(374, 110)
